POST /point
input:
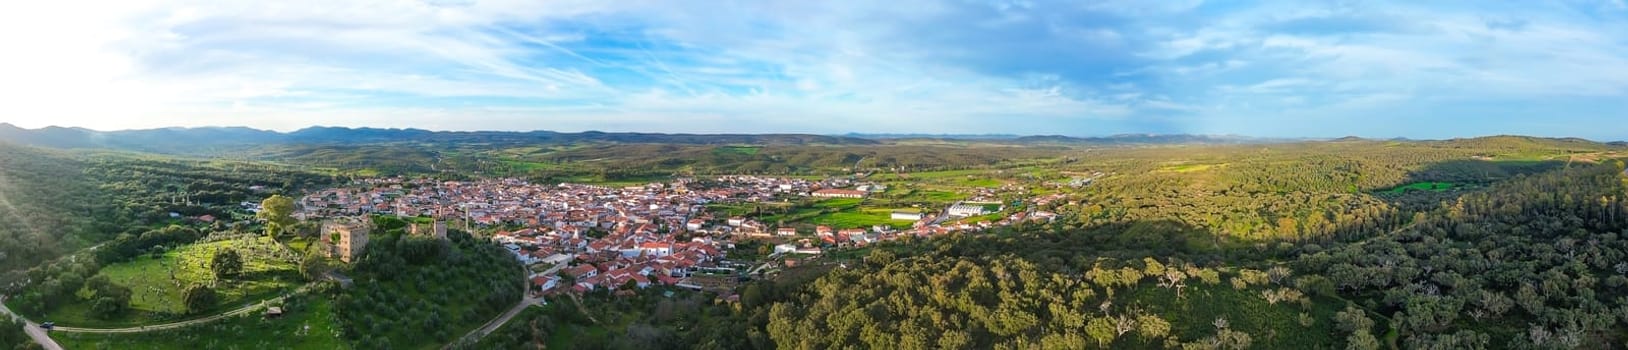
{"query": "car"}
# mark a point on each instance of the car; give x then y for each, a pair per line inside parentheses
(48, 325)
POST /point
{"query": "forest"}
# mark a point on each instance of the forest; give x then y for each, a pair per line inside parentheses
(414, 292)
(1499, 242)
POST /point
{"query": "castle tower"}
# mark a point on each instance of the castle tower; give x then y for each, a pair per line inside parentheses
(345, 239)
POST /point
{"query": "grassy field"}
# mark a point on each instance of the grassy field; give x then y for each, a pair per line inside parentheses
(525, 166)
(1270, 326)
(1187, 168)
(978, 182)
(157, 284)
(1423, 186)
(246, 332)
(859, 218)
(744, 150)
(938, 196)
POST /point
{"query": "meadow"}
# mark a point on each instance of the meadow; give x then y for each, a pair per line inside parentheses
(157, 283)
(1422, 186)
(308, 322)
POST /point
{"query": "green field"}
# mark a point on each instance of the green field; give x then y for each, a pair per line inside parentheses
(859, 218)
(1188, 168)
(978, 182)
(1422, 186)
(744, 150)
(246, 332)
(269, 269)
(525, 166)
(839, 203)
(1271, 326)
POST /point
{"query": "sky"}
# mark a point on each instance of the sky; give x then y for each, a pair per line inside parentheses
(1421, 69)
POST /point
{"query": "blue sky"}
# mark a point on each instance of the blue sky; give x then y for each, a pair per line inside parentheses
(1431, 69)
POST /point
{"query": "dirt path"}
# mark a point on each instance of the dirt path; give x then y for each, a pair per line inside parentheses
(492, 326)
(235, 312)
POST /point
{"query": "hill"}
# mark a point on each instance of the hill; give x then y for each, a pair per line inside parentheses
(1149, 139)
(47, 205)
(206, 140)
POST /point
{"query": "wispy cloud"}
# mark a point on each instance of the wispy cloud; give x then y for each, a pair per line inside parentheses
(1267, 68)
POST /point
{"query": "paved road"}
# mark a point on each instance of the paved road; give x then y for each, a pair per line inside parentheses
(33, 330)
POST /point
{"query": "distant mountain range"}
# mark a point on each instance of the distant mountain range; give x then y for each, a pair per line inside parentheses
(1154, 139)
(211, 139)
(190, 140)
(1109, 140)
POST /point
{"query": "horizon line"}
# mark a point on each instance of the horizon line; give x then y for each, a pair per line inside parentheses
(851, 134)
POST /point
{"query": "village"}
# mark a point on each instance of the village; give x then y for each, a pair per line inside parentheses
(579, 238)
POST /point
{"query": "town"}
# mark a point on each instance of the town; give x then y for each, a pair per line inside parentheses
(578, 238)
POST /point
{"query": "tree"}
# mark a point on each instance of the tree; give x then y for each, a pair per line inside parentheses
(1277, 274)
(198, 298)
(1352, 320)
(313, 266)
(108, 299)
(107, 307)
(226, 263)
(1361, 340)
(1151, 327)
(278, 212)
(1152, 267)
(1174, 279)
(1102, 330)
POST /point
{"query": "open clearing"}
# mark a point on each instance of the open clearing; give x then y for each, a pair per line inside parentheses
(157, 284)
(251, 331)
(1422, 186)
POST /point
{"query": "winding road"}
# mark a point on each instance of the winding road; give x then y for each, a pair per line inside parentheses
(491, 326)
(34, 331)
(246, 309)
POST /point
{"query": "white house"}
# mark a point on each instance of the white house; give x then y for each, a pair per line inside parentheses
(657, 249)
(900, 215)
(967, 210)
(785, 248)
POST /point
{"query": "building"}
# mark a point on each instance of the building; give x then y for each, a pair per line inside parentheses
(785, 248)
(839, 193)
(963, 209)
(786, 231)
(900, 215)
(345, 239)
(438, 229)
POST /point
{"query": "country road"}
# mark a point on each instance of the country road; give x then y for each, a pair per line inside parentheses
(492, 326)
(34, 331)
(235, 312)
